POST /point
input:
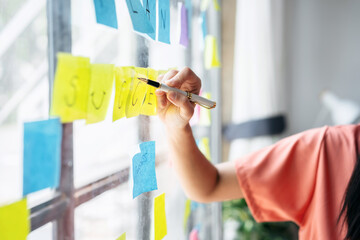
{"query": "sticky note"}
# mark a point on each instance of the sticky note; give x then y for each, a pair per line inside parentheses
(160, 217)
(216, 5)
(136, 94)
(14, 221)
(204, 24)
(183, 35)
(204, 146)
(149, 106)
(204, 5)
(205, 114)
(71, 88)
(101, 83)
(150, 10)
(138, 17)
(194, 234)
(143, 166)
(123, 79)
(211, 53)
(122, 237)
(42, 152)
(164, 21)
(188, 5)
(106, 12)
(187, 212)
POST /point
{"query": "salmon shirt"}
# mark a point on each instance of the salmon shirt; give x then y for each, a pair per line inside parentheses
(302, 178)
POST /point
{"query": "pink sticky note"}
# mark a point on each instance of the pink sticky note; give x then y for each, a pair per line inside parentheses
(194, 234)
(184, 37)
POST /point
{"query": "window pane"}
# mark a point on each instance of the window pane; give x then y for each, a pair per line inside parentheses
(102, 148)
(24, 91)
(43, 233)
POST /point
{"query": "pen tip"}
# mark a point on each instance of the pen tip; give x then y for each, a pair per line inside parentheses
(143, 79)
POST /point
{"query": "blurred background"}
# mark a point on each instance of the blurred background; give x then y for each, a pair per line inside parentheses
(286, 65)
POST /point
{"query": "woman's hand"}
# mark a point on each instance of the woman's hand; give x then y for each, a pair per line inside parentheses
(174, 109)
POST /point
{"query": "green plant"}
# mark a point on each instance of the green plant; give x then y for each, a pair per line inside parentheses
(249, 229)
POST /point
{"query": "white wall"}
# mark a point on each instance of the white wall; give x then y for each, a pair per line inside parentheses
(322, 51)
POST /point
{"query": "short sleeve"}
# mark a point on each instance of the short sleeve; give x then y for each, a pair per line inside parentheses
(278, 181)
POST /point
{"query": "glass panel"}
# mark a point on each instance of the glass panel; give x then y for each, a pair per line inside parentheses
(102, 148)
(43, 233)
(107, 216)
(24, 91)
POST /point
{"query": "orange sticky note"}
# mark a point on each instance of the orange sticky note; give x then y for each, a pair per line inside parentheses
(137, 93)
(160, 217)
(101, 83)
(14, 221)
(71, 88)
(149, 105)
(122, 237)
(123, 79)
(211, 53)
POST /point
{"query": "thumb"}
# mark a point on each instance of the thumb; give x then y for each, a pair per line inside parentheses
(181, 101)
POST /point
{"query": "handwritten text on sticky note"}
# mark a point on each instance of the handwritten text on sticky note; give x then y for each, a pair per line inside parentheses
(101, 83)
(144, 175)
(71, 87)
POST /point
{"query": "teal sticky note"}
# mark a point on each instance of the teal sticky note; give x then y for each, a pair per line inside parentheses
(150, 10)
(138, 17)
(164, 21)
(106, 13)
(42, 149)
(203, 24)
(143, 169)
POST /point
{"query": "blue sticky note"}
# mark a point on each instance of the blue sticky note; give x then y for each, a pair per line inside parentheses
(188, 6)
(143, 169)
(106, 13)
(203, 24)
(150, 10)
(138, 17)
(164, 21)
(42, 149)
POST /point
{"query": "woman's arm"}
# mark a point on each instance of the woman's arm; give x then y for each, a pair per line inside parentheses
(201, 180)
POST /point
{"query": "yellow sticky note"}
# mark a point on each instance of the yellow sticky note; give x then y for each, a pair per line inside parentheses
(71, 88)
(204, 5)
(216, 5)
(149, 105)
(205, 114)
(122, 237)
(123, 79)
(204, 146)
(211, 53)
(187, 212)
(137, 93)
(14, 221)
(160, 217)
(101, 83)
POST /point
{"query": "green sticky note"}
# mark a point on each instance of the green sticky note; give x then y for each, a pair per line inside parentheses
(160, 217)
(122, 237)
(14, 221)
(101, 83)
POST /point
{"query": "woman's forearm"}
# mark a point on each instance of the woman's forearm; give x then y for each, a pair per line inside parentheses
(197, 175)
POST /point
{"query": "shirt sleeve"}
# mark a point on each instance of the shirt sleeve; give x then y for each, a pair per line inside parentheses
(278, 181)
